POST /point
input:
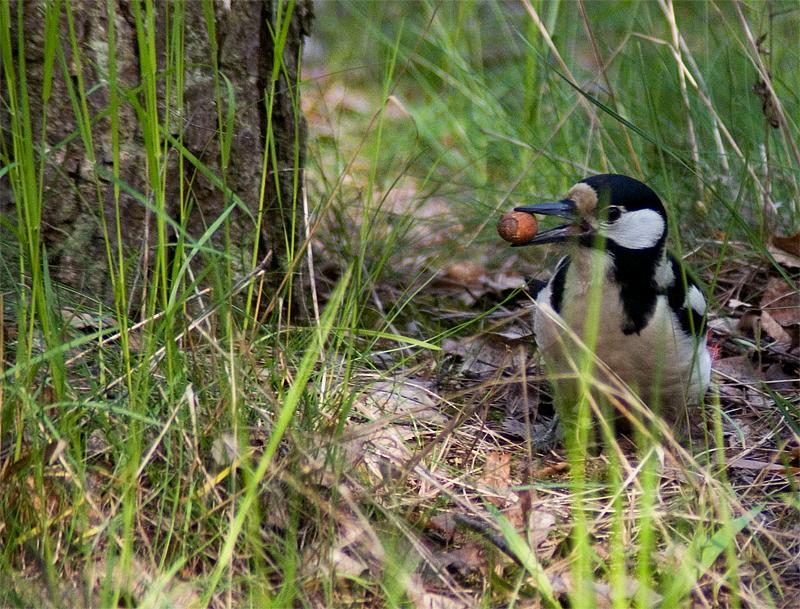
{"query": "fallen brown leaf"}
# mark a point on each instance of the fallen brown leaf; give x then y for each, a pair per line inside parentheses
(783, 257)
(385, 453)
(738, 368)
(758, 323)
(344, 564)
(85, 321)
(540, 523)
(773, 329)
(789, 244)
(779, 380)
(724, 326)
(497, 475)
(443, 525)
(791, 456)
(550, 470)
(146, 584)
(436, 600)
(468, 560)
(466, 271)
(407, 401)
(485, 354)
(762, 465)
(782, 302)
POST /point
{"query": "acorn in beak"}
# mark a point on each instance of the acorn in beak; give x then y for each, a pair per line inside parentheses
(566, 208)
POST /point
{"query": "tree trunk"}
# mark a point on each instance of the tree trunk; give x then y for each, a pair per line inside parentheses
(78, 193)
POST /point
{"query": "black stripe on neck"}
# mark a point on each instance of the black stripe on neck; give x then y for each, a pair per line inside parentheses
(557, 285)
(634, 272)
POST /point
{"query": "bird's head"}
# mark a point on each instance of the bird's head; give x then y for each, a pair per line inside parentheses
(609, 211)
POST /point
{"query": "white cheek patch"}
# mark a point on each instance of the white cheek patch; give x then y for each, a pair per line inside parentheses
(637, 230)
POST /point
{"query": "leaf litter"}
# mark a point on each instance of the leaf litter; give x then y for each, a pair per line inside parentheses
(458, 443)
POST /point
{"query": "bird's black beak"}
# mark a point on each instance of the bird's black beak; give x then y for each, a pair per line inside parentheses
(565, 208)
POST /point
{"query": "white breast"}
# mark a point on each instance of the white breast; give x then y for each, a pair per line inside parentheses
(661, 363)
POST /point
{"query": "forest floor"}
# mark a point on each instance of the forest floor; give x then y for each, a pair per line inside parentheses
(386, 451)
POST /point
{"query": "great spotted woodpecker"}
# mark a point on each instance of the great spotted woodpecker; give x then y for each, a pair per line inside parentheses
(649, 314)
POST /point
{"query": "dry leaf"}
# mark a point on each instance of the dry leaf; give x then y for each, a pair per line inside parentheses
(756, 324)
(551, 470)
(225, 449)
(469, 280)
(540, 523)
(346, 565)
(496, 475)
(85, 321)
(353, 553)
(724, 326)
(790, 245)
(604, 596)
(762, 465)
(780, 381)
(381, 447)
(485, 354)
(774, 330)
(738, 368)
(782, 257)
(748, 324)
(782, 302)
(435, 600)
(443, 525)
(563, 584)
(148, 587)
(422, 598)
(467, 561)
(515, 334)
(414, 400)
(466, 272)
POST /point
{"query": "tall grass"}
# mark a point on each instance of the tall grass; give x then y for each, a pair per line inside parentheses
(529, 99)
(196, 450)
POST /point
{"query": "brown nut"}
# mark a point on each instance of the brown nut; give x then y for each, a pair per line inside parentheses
(517, 227)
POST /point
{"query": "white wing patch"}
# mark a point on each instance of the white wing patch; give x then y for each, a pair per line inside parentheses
(702, 369)
(696, 300)
(636, 230)
(664, 276)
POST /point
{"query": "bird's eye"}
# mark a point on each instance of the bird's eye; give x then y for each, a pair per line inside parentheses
(614, 213)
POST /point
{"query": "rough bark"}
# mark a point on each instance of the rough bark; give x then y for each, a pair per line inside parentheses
(72, 218)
